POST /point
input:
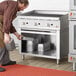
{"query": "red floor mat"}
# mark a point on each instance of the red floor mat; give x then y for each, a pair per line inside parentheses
(24, 70)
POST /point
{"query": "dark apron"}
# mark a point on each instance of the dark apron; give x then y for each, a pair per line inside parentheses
(1, 33)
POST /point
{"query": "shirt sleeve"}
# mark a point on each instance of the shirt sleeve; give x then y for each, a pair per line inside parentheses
(12, 29)
(7, 19)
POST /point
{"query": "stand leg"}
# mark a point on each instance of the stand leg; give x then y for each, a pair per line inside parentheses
(57, 61)
(23, 57)
(74, 66)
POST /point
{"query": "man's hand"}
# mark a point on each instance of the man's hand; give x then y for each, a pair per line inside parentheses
(6, 38)
(18, 36)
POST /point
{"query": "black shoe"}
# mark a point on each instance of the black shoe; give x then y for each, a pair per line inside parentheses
(2, 69)
(9, 63)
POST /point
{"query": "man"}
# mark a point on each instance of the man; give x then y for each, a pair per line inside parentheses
(8, 10)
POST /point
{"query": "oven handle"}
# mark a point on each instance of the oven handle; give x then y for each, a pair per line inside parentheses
(34, 32)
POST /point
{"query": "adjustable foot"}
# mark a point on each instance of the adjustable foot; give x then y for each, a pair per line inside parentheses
(23, 57)
(74, 66)
(57, 61)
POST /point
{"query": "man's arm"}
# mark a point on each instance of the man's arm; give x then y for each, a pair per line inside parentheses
(7, 19)
(12, 30)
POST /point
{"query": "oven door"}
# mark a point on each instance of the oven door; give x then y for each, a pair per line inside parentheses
(73, 4)
(72, 41)
(40, 42)
(72, 37)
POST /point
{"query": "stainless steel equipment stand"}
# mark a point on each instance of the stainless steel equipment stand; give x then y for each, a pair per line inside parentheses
(36, 24)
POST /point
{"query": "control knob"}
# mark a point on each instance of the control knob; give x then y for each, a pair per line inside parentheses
(23, 23)
(48, 25)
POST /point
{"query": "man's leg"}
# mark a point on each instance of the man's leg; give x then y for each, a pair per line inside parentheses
(4, 54)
